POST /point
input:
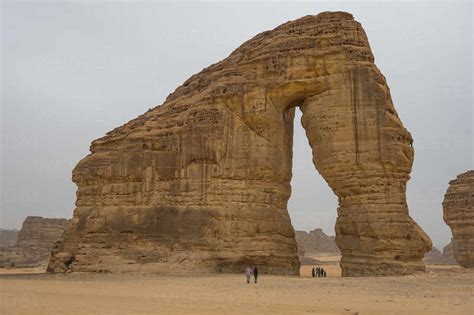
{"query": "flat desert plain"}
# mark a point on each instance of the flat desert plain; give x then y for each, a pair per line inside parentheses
(441, 290)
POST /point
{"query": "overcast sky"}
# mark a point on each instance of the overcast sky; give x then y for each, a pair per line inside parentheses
(72, 71)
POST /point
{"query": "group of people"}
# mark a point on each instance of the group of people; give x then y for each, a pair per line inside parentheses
(318, 272)
(249, 271)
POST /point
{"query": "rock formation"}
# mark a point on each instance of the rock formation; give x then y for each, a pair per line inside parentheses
(35, 241)
(435, 257)
(8, 237)
(458, 208)
(315, 242)
(448, 254)
(432, 256)
(202, 181)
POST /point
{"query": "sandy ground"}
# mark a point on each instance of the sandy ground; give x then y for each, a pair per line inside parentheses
(441, 290)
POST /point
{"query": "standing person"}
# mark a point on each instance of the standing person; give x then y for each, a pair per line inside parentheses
(312, 272)
(248, 271)
(318, 272)
(255, 273)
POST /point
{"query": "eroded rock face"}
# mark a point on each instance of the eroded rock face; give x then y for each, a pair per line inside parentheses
(202, 181)
(35, 241)
(458, 208)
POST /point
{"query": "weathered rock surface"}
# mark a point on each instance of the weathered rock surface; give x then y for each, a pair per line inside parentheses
(8, 237)
(35, 241)
(316, 242)
(458, 208)
(202, 181)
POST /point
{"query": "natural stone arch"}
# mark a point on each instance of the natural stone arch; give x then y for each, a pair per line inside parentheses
(202, 181)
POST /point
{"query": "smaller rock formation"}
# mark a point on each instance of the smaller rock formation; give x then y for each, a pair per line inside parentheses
(313, 243)
(448, 254)
(435, 257)
(316, 242)
(8, 237)
(458, 207)
(35, 241)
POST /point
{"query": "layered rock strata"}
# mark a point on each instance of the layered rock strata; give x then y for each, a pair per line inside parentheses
(35, 242)
(202, 182)
(458, 209)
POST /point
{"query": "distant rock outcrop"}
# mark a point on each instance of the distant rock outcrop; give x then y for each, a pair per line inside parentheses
(315, 242)
(8, 237)
(35, 241)
(435, 257)
(448, 254)
(458, 208)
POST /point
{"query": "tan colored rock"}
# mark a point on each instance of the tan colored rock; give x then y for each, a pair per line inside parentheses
(201, 182)
(35, 241)
(458, 208)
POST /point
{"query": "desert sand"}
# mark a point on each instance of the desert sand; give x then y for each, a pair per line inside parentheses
(441, 290)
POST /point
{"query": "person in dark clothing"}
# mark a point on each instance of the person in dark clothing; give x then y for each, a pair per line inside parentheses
(313, 272)
(318, 272)
(255, 273)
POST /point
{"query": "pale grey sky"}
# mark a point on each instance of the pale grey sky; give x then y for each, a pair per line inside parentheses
(72, 71)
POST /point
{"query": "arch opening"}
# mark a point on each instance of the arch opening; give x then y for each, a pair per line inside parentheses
(312, 204)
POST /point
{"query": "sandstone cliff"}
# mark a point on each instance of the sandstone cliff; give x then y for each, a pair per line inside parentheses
(202, 181)
(458, 208)
(35, 241)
